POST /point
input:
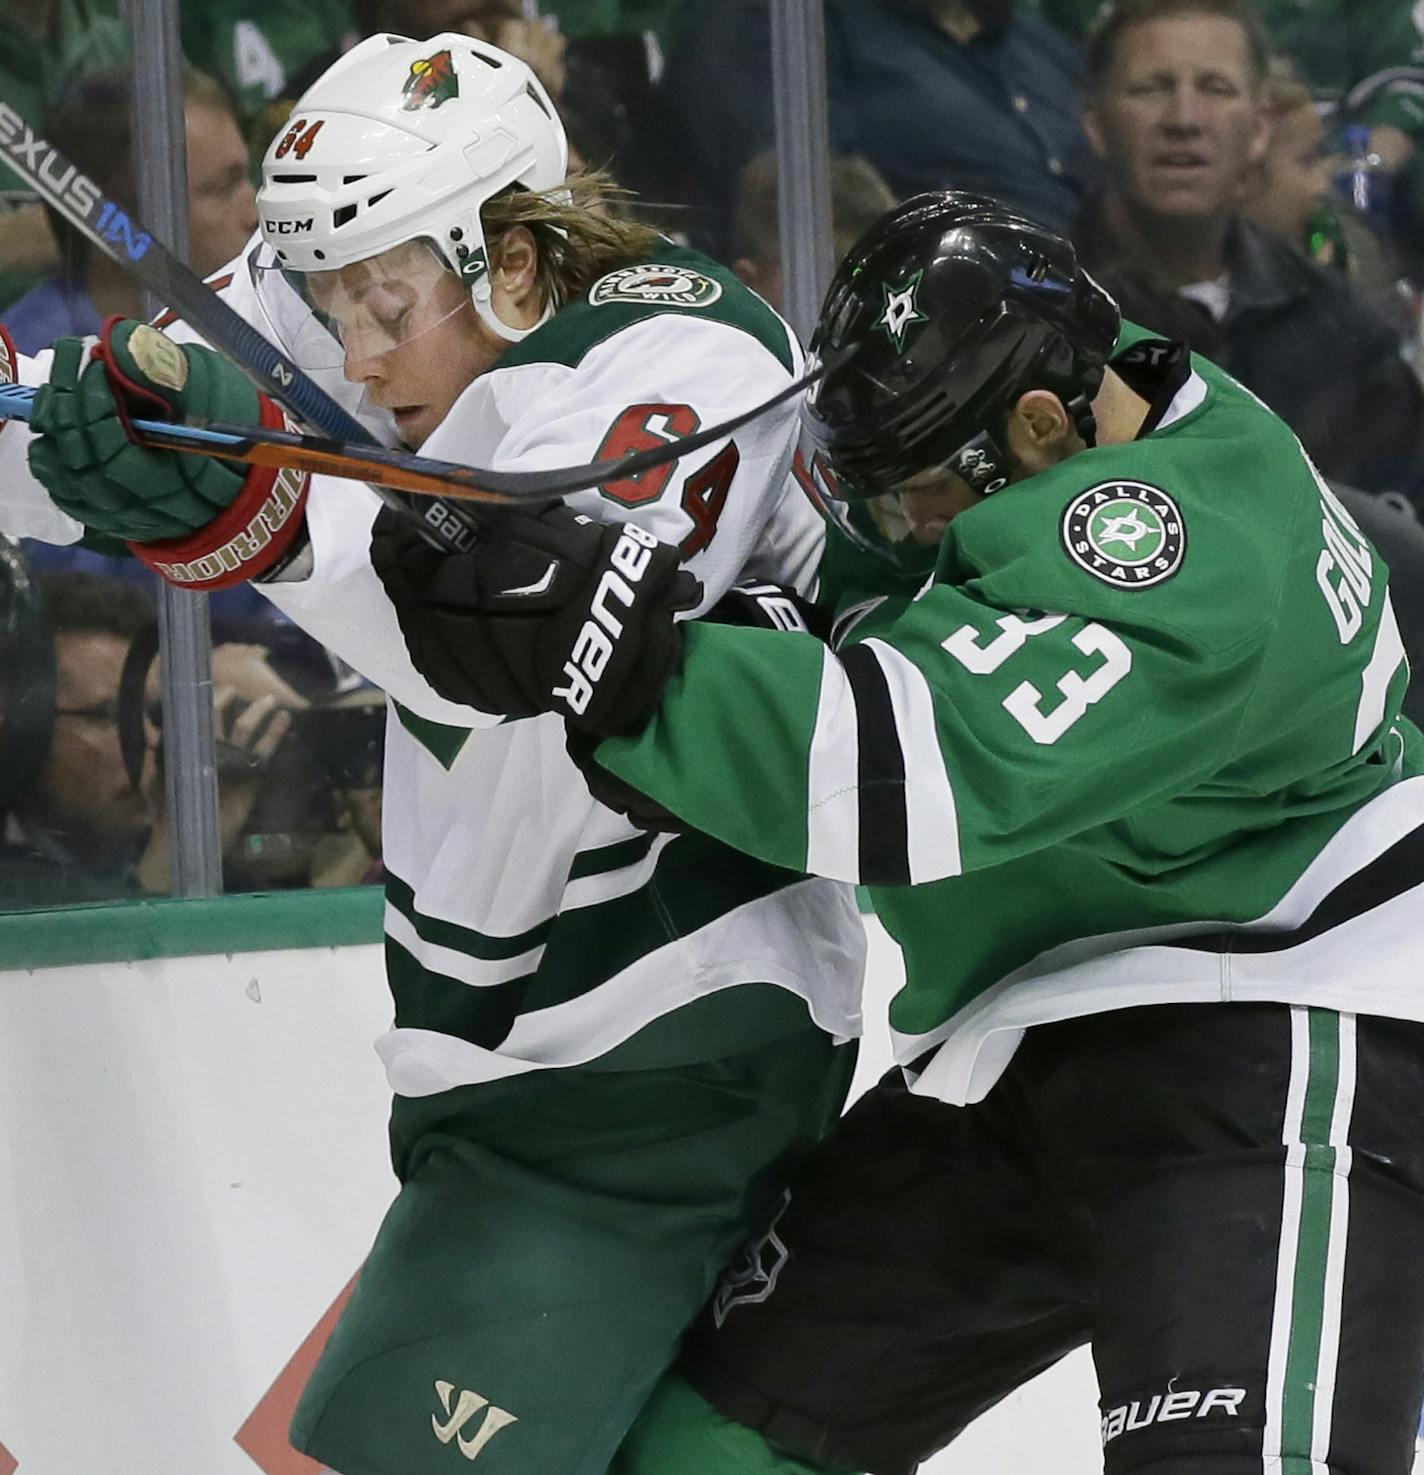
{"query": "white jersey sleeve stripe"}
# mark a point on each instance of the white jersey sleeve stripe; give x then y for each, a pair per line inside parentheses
(832, 797)
(1374, 680)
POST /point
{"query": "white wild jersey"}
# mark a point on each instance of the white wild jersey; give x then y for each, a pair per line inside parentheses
(527, 926)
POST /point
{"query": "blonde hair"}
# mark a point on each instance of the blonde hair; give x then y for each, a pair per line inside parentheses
(859, 197)
(577, 230)
(1283, 92)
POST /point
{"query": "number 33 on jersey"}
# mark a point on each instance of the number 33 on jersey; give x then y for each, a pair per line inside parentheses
(1143, 637)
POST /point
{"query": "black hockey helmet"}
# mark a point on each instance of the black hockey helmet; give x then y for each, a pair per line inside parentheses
(956, 306)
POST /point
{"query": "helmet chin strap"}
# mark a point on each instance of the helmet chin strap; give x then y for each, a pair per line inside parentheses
(483, 298)
(1080, 411)
(983, 462)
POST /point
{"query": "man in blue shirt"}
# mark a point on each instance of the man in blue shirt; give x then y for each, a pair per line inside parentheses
(92, 125)
(936, 94)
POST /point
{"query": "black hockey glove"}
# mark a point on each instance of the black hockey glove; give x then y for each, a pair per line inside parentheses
(769, 607)
(548, 612)
(759, 606)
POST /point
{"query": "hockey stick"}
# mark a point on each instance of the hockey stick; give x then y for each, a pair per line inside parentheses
(381, 466)
(346, 448)
(108, 226)
(259, 446)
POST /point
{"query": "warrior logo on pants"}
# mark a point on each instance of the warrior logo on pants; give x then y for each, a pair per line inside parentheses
(462, 1414)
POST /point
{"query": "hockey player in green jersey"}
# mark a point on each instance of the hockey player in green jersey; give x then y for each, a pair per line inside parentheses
(607, 1046)
(1108, 722)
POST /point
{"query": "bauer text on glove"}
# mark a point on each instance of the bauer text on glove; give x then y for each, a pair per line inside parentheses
(548, 612)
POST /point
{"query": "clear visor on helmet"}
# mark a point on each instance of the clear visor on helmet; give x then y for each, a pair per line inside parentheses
(355, 316)
(903, 524)
(922, 507)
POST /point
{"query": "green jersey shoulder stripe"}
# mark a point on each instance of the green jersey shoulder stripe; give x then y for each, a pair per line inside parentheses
(608, 308)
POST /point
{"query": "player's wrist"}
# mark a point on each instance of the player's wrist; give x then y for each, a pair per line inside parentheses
(248, 538)
(149, 371)
(9, 360)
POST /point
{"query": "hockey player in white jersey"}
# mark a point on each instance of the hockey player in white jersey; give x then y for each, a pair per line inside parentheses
(608, 1045)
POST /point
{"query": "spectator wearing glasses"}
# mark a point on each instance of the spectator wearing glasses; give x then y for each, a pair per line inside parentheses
(85, 827)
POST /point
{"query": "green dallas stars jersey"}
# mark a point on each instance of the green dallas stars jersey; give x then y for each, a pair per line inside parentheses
(1137, 740)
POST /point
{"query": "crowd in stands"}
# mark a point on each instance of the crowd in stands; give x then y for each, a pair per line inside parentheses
(1244, 175)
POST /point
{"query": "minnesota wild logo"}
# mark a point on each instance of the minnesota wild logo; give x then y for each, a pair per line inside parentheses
(656, 284)
(1126, 533)
(901, 310)
(432, 80)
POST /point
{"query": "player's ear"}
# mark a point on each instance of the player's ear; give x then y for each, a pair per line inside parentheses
(514, 277)
(1038, 421)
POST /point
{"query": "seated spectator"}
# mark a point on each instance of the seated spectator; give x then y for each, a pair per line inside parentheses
(1175, 113)
(314, 818)
(1363, 61)
(93, 124)
(78, 829)
(936, 94)
(859, 197)
(26, 706)
(90, 823)
(1291, 194)
(1289, 185)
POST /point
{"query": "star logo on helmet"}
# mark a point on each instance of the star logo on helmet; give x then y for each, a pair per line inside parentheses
(901, 310)
(432, 81)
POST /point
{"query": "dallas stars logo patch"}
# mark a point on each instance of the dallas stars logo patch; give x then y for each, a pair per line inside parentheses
(432, 80)
(1126, 533)
(901, 310)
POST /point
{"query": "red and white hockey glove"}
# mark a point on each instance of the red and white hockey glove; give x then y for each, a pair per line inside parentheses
(199, 522)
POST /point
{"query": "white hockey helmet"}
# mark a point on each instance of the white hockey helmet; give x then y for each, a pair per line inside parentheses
(401, 140)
